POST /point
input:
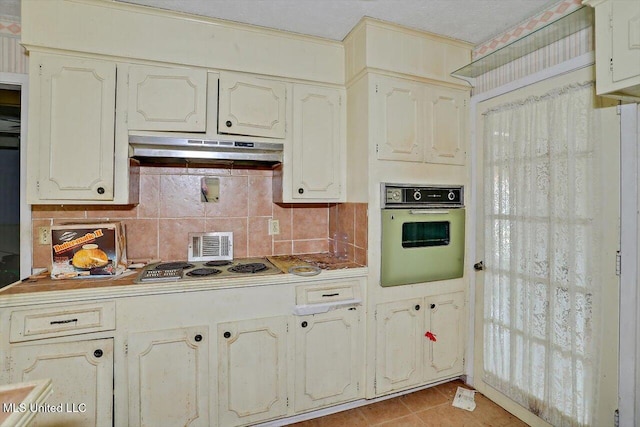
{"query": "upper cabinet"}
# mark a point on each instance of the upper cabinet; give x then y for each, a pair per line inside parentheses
(317, 148)
(251, 106)
(617, 48)
(446, 122)
(417, 122)
(73, 156)
(75, 135)
(399, 105)
(167, 99)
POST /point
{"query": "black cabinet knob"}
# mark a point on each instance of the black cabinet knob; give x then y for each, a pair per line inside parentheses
(198, 338)
(227, 334)
(300, 190)
(100, 190)
(228, 123)
(304, 324)
(98, 353)
(417, 307)
(433, 306)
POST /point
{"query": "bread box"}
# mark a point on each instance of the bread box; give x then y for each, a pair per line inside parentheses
(88, 250)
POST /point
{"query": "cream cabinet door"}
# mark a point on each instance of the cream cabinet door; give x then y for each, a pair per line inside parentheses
(625, 24)
(319, 132)
(399, 345)
(252, 371)
(398, 116)
(169, 377)
(167, 99)
(75, 118)
(444, 336)
(82, 377)
(446, 125)
(251, 106)
(329, 358)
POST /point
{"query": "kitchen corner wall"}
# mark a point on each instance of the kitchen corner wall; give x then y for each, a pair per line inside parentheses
(170, 208)
(350, 220)
(572, 46)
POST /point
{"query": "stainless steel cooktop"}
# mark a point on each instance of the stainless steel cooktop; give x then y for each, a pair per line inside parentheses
(198, 270)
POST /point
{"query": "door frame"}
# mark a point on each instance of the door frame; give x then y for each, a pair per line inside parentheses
(21, 82)
(571, 65)
(629, 364)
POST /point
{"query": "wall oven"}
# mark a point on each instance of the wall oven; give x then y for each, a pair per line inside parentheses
(422, 233)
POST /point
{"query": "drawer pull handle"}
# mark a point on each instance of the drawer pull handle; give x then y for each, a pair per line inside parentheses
(98, 353)
(227, 334)
(330, 295)
(198, 338)
(62, 322)
(304, 324)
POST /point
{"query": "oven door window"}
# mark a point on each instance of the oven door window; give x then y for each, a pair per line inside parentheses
(425, 234)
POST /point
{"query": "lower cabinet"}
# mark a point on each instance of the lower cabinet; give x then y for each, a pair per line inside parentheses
(419, 341)
(252, 365)
(82, 376)
(252, 370)
(328, 358)
(169, 377)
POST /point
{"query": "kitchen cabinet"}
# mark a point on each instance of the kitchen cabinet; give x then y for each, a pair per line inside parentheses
(252, 370)
(417, 122)
(446, 124)
(82, 376)
(74, 153)
(617, 35)
(167, 99)
(399, 107)
(318, 146)
(169, 377)
(328, 358)
(419, 340)
(399, 345)
(71, 129)
(251, 106)
(444, 320)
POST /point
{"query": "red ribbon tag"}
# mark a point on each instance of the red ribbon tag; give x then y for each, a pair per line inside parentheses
(431, 336)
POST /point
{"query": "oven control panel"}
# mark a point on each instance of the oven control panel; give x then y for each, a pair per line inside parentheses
(424, 196)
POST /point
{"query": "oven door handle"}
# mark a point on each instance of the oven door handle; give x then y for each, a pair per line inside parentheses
(428, 211)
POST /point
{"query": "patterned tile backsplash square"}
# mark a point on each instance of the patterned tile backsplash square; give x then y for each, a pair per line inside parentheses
(170, 208)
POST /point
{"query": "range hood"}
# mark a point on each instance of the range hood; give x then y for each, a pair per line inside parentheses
(167, 149)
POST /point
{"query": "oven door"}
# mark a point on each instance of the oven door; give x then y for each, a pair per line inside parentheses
(421, 245)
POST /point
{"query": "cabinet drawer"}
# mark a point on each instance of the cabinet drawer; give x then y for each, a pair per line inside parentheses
(42, 323)
(317, 294)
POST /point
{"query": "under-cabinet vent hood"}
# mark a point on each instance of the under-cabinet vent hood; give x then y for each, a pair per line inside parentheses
(166, 149)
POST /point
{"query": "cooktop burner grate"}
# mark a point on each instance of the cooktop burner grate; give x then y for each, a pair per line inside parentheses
(202, 272)
(173, 265)
(250, 268)
(220, 263)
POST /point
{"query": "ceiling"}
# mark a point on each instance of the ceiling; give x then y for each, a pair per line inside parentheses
(473, 21)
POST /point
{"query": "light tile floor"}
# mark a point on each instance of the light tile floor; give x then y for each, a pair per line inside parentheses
(430, 407)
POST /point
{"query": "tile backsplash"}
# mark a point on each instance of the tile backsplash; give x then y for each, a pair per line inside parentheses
(170, 207)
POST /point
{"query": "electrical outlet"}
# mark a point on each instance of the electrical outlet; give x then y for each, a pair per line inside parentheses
(274, 227)
(44, 235)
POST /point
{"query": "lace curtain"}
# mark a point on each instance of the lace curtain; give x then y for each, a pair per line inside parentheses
(541, 231)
